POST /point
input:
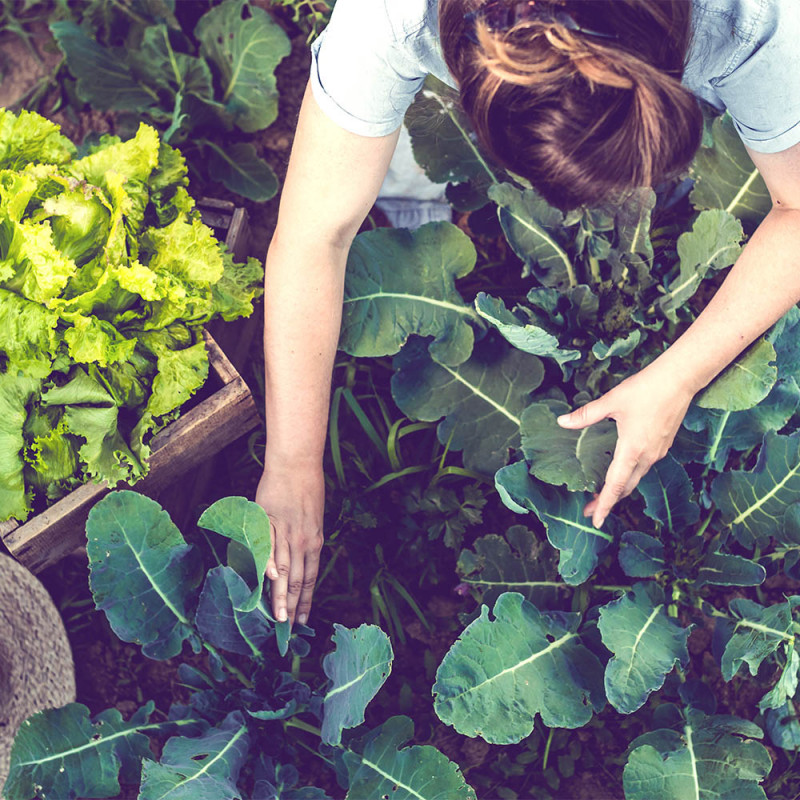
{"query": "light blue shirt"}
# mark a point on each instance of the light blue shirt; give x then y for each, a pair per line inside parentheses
(373, 58)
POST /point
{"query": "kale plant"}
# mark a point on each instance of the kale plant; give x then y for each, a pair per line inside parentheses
(605, 293)
(232, 739)
(197, 86)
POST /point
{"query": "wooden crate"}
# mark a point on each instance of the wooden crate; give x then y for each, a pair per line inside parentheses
(191, 440)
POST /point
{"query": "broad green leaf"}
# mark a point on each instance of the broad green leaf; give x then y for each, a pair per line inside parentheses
(239, 168)
(784, 337)
(745, 383)
(714, 434)
(706, 760)
(668, 492)
(246, 522)
(577, 459)
(535, 231)
(501, 673)
(786, 687)
(61, 753)
(753, 502)
(757, 634)
(482, 400)
(383, 767)
(640, 555)
(726, 178)
(721, 569)
(712, 244)
(384, 305)
(220, 620)
(620, 348)
(561, 513)
(783, 726)
(495, 568)
(16, 392)
(357, 669)
(442, 142)
(646, 645)
(246, 45)
(532, 339)
(205, 767)
(633, 250)
(105, 79)
(135, 550)
(156, 64)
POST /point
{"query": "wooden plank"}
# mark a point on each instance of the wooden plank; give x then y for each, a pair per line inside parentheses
(192, 439)
(213, 202)
(238, 236)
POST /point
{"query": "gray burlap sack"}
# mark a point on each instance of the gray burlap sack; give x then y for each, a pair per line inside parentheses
(36, 666)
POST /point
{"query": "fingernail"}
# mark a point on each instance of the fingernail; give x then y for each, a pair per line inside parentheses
(273, 573)
(599, 523)
(302, 619)
(563, 419)
(282, 615)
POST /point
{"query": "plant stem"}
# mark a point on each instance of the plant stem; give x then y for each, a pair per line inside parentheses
(594, 267)
(235, 671)
(547, 749)
(301, 726)
(316, 753)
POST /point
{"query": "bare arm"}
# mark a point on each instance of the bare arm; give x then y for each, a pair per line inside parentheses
(760, 288)
(332, 181)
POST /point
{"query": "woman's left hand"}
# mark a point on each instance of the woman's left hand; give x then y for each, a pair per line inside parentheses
(648, 408)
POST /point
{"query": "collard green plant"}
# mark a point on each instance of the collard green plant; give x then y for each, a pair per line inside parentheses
(147, 579)
(106, 276)
(196, 86)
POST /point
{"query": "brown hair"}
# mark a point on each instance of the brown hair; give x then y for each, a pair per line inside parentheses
(579, 115)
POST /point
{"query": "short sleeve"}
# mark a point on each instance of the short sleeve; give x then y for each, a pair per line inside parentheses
(762, 91)
(360, 75)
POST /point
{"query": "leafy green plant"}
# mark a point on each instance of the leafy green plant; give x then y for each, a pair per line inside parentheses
(311, 14)
(236, 736)
(106, 277)
(608, 289)
(196, 86)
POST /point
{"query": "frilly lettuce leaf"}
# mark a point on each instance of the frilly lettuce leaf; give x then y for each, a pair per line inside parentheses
(28, 137)
(16, 391)
(186, 249)
(42, 271)
(136, 158)
(27, 333)
(234, 292)
(181, 372)
(106, 274)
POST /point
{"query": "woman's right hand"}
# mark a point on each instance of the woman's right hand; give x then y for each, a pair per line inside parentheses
(294, 500)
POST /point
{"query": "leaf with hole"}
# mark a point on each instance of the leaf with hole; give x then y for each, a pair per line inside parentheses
(646, 645)
(357, 669)
(501, 673)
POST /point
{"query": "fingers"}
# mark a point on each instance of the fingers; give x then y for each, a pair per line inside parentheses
(623, 476)
(585, 415)
(307, 590)
(296, 565)
(280, 585)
